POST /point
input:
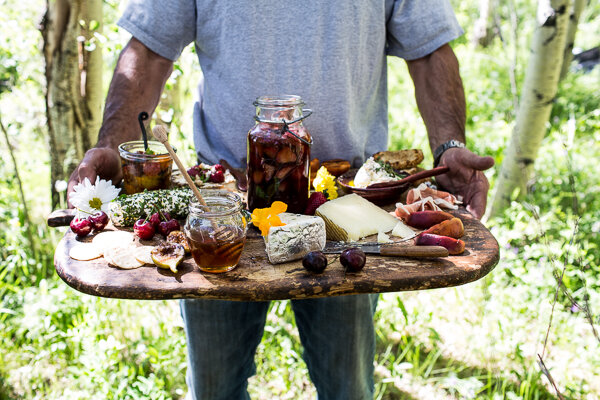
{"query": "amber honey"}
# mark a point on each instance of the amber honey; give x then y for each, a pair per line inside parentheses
(217, 253)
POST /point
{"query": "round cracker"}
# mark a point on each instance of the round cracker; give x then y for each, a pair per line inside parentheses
(123, 257)
(142, 254)
(84, 252)
(106, 240)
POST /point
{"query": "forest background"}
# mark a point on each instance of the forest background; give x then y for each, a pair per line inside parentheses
(482, 340)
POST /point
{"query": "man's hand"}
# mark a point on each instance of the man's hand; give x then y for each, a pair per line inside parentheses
(99, 161)
(466, 178)
(137, 83)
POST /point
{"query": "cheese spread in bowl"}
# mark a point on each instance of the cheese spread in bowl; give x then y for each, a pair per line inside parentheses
(372, 172)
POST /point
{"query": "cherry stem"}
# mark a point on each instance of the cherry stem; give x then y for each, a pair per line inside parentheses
(159, 211)
(85, 212)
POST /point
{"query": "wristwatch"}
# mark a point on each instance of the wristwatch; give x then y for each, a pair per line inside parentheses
(437, 154)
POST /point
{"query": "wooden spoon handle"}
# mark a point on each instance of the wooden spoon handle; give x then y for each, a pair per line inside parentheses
(411, 178)
(160, 133)
(60, 218)
(414, 251)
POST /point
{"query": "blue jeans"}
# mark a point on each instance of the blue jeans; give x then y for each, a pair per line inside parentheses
(337, 334)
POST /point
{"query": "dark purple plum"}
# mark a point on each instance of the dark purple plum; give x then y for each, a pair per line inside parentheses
(353, 259)
(315, 262)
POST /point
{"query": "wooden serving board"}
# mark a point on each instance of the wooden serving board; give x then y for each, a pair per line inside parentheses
(255, 279)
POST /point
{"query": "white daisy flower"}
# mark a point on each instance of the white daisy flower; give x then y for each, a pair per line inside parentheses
(88, 198)
(60, 185)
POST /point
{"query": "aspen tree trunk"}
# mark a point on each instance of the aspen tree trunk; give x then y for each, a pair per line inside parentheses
(73, 82)
(575, 12)
(539, 91)
(483, 28)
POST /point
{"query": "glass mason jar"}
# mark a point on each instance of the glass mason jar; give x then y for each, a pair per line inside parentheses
(279, 154)
(145, 171)
(216, 233)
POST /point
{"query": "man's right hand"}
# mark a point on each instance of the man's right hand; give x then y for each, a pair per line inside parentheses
(99, 161)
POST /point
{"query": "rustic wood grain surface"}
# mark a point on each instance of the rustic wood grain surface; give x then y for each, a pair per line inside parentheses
(256, 279)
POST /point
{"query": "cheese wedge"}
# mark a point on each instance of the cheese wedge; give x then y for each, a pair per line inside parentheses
(351, 218)
(300, 235)
(403, 231)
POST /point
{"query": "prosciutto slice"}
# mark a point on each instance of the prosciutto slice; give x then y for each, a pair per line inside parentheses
(404, 210)
(439, 197)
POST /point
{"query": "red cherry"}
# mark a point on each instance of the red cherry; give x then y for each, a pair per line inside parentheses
(193, 172)
(81, 227)
(166, 227)
(217, 177)
(315, 200)
(143, 229)
(156, 218)
(99, 220)
(219, 167)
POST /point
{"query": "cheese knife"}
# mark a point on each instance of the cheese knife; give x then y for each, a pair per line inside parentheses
(386, 249)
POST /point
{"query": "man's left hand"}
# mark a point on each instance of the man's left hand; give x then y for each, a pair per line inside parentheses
(466, 178)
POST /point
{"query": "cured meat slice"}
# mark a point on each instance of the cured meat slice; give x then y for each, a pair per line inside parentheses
(404, 210)
(440, 198)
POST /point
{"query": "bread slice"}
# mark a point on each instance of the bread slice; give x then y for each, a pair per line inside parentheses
(400, 159)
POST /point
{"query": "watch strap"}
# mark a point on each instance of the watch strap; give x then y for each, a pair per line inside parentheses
(437, 153)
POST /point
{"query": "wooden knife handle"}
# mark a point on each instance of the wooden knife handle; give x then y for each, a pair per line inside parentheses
(60, 218)
(414, 251)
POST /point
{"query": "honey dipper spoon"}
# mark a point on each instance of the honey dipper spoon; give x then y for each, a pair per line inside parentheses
(160, 133)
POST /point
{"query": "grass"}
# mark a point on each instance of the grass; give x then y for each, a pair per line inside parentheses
(480, 340)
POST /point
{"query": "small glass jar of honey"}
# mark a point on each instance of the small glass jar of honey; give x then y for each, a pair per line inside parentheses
(216, 232)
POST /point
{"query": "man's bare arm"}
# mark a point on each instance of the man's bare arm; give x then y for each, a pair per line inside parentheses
(136, 86)
(440, 95)
(441, 101)
(137, 83)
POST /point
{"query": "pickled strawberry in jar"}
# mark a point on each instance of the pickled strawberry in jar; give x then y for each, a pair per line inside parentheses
(279, 154)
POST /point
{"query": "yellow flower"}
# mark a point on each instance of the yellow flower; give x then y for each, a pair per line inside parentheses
(265, 218)
(325, 182)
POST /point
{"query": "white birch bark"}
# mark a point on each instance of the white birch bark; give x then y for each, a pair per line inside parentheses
(73, 83)
(537, 96)
(483, 28)
(576, 9)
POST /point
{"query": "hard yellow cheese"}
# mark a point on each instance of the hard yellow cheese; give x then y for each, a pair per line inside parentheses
(351, 218)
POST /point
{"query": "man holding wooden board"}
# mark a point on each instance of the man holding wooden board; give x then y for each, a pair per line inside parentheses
(333, 55)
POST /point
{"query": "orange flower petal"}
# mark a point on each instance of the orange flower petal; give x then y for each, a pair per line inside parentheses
(264, 228)
(278, 207)
(274, 220)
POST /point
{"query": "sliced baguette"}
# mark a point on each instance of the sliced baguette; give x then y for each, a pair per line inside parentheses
(400, 159)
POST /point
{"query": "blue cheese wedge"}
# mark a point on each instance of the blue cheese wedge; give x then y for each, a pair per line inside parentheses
(300, 235)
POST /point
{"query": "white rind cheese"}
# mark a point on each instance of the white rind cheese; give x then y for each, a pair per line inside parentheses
(350, 218)
(300, 235)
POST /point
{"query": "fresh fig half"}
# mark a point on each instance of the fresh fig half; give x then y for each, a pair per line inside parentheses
(179, 237)
(168, 256)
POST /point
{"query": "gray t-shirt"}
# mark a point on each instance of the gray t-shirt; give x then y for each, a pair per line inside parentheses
(331, 53)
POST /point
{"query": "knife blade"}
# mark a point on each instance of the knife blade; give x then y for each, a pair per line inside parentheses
(390, 250)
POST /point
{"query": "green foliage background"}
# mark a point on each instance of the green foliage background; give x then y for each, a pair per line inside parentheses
(475, 341)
